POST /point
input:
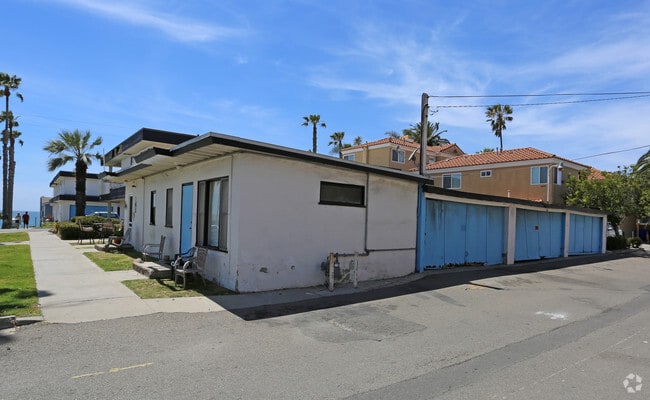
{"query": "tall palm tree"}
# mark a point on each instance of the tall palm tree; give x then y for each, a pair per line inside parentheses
(314, 119)
(357, 141)
(74, 147)
(13, 135)
(9, 84)
(434, 136)
(337, 143)
(497, 115)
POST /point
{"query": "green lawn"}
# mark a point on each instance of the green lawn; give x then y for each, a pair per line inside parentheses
(151, 288)
(18, 294)
(14, 237)
(162, 288)
(112, 261)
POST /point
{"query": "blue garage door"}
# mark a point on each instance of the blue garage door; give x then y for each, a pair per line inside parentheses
(462, 234)
(586, 234)
(539, 235)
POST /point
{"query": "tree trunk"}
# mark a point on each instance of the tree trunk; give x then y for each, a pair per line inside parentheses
(6, 212)
(80, 187)
(12, 169)
(314, 139)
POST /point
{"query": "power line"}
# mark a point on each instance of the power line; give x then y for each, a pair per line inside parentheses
(537, 95)
(613, 152)
(542, 104)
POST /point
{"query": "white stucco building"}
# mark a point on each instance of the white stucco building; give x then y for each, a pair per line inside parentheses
(269, 215)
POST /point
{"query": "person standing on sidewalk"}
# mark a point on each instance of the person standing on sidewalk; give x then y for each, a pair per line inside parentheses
(17, 219)
(26, 220)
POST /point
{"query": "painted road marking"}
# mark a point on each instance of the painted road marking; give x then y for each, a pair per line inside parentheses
(112, 370)
(552, 315)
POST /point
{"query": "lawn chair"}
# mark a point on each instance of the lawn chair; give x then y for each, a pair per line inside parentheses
(86, 231)
(194, 266)
(107, 229)
(120, 242)
(154, 249)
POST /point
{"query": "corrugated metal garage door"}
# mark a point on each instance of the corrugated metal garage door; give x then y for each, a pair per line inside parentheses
(538, 235)
(461, 234)
(586, 234)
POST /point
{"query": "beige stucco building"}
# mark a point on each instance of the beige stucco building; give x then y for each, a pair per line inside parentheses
(398, 153)
(525, 173)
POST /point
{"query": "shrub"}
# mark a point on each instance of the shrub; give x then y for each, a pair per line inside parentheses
(634, 242)
(616, 243)
(68, 230)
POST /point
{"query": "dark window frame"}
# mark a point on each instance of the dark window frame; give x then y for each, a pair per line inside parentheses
(204, 236)
(358, 192)
(169, 207)
(152, 208)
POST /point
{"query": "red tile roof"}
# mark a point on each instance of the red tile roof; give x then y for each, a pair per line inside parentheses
(405, 143)
(496, 157)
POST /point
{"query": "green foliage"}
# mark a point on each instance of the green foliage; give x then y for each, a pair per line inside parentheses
(498, 115)
(18, 295)
(616, 243)
(14, 237)
(634, 242)
(434, 136)
(68, 230)
(619, 194)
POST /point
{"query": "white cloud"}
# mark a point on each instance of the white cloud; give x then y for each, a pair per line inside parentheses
(178, 28)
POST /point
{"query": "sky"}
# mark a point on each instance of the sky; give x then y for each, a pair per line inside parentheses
(254, 68)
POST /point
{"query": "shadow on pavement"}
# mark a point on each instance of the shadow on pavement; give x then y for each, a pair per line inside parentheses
(447, 278)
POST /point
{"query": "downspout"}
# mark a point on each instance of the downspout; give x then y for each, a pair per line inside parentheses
(365, 233)
(421, 217)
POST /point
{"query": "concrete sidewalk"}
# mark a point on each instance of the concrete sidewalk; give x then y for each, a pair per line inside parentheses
(73, 289)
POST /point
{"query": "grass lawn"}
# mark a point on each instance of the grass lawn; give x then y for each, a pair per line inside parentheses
(112, 261)
(14, 237)
(151, 288)
(161, 288)
(18, 294)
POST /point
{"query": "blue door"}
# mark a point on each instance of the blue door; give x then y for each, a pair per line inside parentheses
(539, 235)
(187, 196)
(586, 234)
(462, 234)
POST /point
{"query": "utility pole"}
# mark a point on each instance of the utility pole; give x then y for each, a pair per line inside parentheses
(424, 135)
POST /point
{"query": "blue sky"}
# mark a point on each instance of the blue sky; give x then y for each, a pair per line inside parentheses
(254, 68)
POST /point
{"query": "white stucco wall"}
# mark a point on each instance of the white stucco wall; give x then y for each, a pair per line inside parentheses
(278, 234)
(284, 234)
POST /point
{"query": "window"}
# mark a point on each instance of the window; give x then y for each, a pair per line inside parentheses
(486, 173)
(169, 207)
(349, 157)
(557, 175)
(212, 215)
(397, 155)
(538, 175)
(152, 208)
(451, 181)
(342, 194)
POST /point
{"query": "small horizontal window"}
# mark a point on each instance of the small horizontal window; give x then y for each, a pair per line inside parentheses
(349, 157)
(342, 194)
(486, 173)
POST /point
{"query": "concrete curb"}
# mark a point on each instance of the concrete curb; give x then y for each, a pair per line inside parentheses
(11, 321)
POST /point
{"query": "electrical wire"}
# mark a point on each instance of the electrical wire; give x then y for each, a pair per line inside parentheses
(543, 104)
(613, 152)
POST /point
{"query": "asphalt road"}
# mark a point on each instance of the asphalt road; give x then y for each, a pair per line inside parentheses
(525, 332)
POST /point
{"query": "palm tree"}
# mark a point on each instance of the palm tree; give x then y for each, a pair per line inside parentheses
(74, 146)
(314, 119)
(393, 135)
(497, 115)
(9, 84)
(13, 135)
(434, 137)
(357, 141)
(643, 165)
(337, 143)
